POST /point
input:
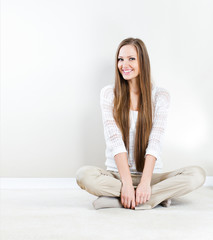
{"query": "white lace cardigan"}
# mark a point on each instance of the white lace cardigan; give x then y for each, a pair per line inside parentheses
(113, 136)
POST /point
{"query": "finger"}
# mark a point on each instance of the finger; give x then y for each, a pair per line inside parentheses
(137, 203)
(133, 204)
(137, 199)
(145, 199)
(128, 203)
(125, 203)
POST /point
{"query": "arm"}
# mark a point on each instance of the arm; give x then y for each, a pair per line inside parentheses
(162, 102)
(112, 133)
(123, 168)
(114, 141)
(148, 169)
(161, 109)
(127, 190)
(143, 191)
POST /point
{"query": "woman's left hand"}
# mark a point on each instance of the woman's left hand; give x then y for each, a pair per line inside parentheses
(143, 193)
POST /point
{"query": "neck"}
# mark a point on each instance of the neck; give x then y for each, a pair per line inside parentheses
(133, 87)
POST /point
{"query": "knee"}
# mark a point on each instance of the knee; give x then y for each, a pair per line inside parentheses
(199, 176)
(83, 175)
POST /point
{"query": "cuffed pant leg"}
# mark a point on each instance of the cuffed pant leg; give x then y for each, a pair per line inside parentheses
(98, 181)
(174, 184)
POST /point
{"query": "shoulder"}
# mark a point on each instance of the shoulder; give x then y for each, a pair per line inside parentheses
(107, 92)
(161, 95)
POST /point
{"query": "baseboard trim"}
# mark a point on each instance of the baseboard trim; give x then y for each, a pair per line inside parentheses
(52, 183)
(38, 183)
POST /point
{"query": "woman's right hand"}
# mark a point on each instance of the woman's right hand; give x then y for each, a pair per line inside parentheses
(128, 195)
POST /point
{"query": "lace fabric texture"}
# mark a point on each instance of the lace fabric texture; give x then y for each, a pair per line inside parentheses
(113, 135)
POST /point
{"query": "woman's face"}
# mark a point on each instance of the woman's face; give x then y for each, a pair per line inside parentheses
(128, 64)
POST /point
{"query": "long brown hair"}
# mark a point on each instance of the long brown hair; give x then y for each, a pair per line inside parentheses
(122, 100)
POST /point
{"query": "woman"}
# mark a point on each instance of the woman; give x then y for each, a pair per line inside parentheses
(134, 114)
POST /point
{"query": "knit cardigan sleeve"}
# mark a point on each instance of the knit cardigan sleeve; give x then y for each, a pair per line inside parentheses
(161, 108)
(112, 133)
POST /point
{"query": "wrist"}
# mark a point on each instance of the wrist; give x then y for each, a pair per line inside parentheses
(127, 182)
(145, 181)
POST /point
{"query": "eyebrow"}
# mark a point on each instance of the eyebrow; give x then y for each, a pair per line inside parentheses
(128, 56)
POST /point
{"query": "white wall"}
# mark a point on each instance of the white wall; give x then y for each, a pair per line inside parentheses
(57, 55)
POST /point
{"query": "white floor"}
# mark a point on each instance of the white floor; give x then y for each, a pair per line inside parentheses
(68, 214)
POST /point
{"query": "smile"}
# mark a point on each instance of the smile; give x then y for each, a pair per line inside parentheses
(127, 72)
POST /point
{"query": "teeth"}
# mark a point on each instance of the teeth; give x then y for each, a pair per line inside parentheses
(128, 71)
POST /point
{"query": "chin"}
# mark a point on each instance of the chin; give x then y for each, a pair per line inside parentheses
(128, 78)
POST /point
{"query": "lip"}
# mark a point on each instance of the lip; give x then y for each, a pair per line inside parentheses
(127, 73)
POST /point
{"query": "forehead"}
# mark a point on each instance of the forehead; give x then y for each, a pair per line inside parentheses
(127, 50)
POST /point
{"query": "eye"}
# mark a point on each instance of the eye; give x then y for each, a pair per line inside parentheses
(129, 58)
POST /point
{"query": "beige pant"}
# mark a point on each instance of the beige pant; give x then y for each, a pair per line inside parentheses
(179, 182)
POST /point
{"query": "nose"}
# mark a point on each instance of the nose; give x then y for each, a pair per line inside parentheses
(125, 64)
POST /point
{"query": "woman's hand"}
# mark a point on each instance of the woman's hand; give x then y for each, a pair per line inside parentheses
(128, 195)
(143, 193)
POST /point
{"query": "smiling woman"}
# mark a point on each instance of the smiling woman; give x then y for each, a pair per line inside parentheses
(128, 65)
(134, 114)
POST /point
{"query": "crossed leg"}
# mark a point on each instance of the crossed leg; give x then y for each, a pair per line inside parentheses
(179, 182)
